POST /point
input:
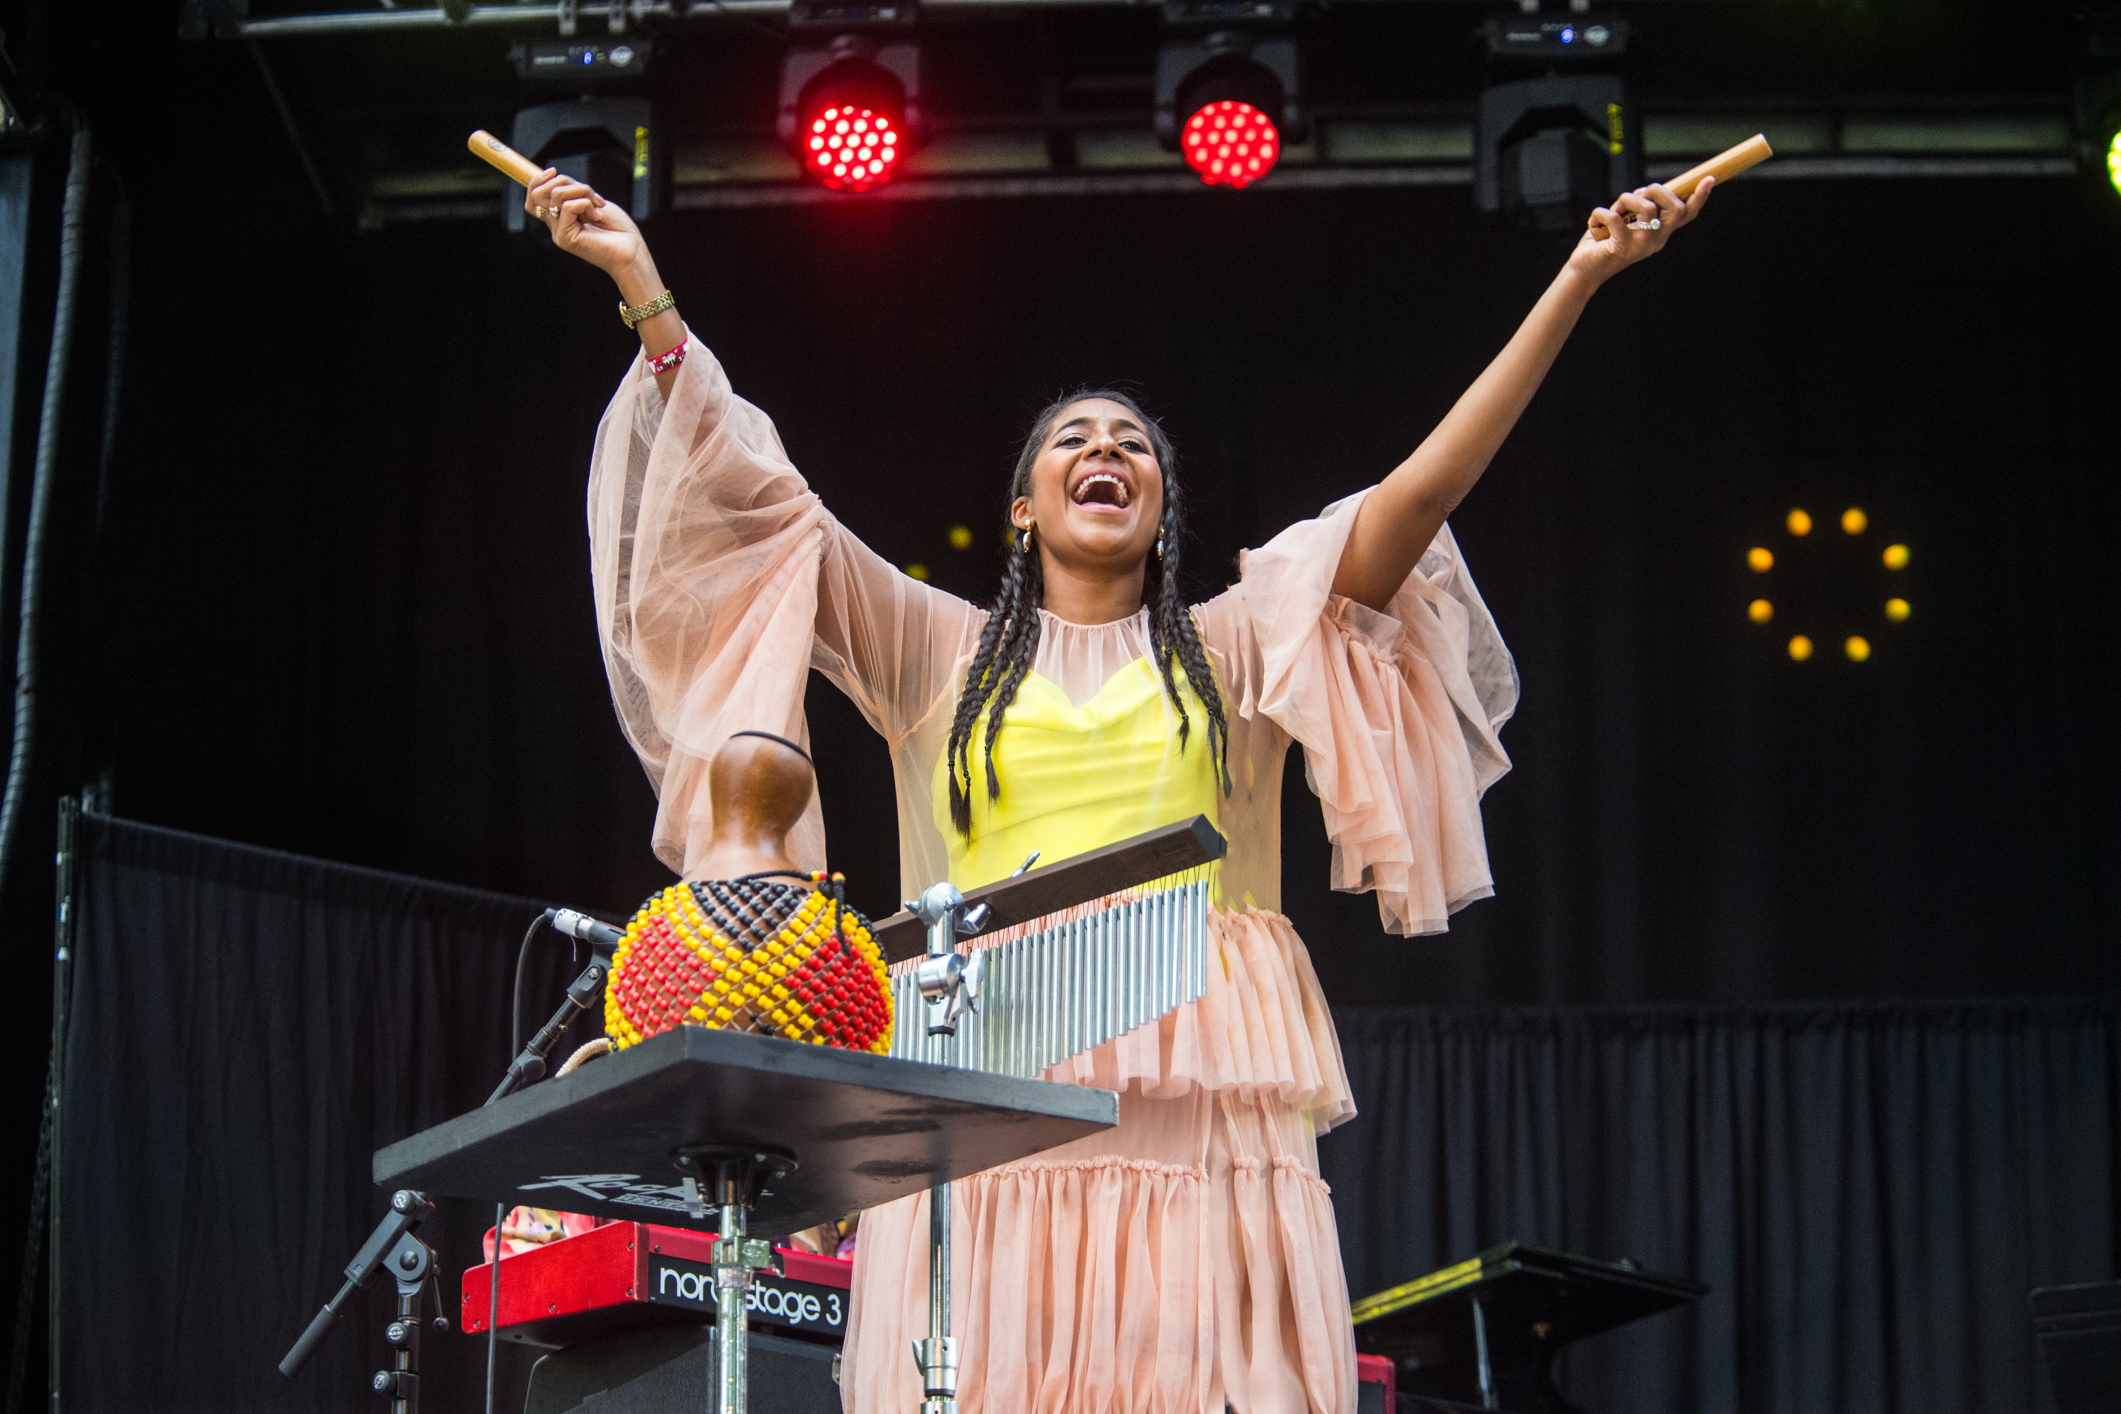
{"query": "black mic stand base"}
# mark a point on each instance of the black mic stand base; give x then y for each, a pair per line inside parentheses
(392, 1247)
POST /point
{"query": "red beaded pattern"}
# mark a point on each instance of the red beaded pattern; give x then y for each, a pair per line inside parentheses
(769, 958)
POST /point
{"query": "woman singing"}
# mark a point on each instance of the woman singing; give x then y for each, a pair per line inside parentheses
(1187, 1260)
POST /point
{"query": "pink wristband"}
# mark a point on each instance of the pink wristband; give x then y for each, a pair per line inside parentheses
(663, 362)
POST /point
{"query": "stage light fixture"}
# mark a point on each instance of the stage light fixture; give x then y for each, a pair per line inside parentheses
(851, 107)
(850, 143)
(2096, 94)
(605, 134)
(1228, 97)
(1230, 143)
(1549, 148)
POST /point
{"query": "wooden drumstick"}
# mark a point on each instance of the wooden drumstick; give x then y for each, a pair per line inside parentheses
(503, 158)
(1723, 166)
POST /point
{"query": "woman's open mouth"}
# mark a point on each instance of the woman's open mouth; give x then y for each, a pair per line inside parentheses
(1103, 489)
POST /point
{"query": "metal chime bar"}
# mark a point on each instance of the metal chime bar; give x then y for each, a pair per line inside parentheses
(1059, 992)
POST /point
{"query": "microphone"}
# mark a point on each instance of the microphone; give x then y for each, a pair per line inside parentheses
(603, 940)
(601, 936)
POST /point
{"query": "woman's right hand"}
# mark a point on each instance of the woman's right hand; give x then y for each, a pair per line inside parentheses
(584, 224)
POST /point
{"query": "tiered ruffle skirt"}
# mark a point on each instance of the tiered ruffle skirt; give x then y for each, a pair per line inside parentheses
(1183, 1262)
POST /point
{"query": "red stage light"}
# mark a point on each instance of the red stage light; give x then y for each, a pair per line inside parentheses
(1230, 143)
(851, 146)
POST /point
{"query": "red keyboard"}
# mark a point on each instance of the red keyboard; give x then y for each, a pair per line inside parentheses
(627, 1275)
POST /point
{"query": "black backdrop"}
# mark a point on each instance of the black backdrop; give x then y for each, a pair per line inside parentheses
(345, 568)
(246, 1028)
(1869, 1190)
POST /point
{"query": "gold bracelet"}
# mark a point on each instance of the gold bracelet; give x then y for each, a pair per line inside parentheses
(633, 314)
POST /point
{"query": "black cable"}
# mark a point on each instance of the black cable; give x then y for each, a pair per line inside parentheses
(72, 240)
(500, 1210)
(515, 1010)
(493, 1303)
(80, 170)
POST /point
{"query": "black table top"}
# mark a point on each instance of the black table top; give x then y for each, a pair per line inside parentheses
(865, 1129)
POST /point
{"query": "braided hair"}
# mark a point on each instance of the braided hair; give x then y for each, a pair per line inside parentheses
(1008, 645)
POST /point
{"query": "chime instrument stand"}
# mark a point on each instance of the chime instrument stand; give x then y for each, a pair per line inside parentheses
(950, 986)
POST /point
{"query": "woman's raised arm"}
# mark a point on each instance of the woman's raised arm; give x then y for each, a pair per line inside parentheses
(1398, 520)
(584, 224)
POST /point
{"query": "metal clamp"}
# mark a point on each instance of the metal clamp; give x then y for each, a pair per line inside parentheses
(736, 1259)
(946, 979)
(937, 1357)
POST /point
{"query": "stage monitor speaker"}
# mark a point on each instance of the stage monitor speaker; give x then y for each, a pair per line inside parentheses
(2079, 1330)
(670, 1370)
(1484, 1333)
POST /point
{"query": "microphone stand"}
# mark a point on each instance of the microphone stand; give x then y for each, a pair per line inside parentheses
(529, 1067)
(392, 1245)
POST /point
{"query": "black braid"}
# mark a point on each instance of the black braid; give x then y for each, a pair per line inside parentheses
(1022, 583)
(1172, 635)
(1008, 644)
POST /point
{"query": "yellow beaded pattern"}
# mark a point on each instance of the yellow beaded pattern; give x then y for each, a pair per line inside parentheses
(819, 977)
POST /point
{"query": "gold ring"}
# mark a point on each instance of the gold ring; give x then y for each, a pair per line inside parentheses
(541, 213)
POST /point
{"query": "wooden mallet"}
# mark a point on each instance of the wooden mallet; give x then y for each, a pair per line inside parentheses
(505, 159)
(1723, 166)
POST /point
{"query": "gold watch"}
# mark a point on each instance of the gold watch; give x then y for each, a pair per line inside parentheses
(633, 314)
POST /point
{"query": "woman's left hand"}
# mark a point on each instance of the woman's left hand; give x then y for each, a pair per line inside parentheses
(1626, 223)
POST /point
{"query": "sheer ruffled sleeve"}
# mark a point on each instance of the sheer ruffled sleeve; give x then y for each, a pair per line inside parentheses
(1397, 712)
(721, 580)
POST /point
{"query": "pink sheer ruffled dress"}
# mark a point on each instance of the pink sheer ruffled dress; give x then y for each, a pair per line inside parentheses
(1187, 1260)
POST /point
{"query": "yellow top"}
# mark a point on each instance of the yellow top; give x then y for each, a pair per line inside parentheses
(1075, 778)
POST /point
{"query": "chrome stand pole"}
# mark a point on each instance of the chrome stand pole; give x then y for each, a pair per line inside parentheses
(732, 1280)
(733, 1177)
(938, 1353)
(949, 987)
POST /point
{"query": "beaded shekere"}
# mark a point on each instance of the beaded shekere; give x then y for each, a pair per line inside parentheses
(757, 955)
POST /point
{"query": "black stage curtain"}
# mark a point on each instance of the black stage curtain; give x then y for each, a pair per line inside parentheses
(246, 1028)
(1869, 1190)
